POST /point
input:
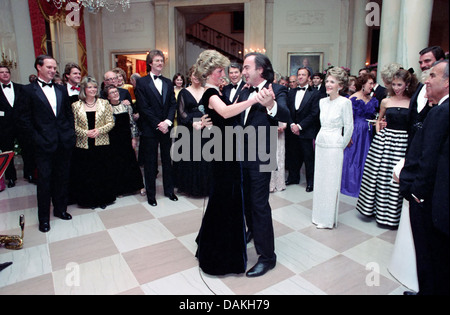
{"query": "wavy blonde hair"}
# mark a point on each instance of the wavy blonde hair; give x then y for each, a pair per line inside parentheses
(207, 62)
(388, 71)
(340, 74)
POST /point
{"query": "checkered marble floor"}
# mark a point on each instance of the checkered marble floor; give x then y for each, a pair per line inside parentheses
(134, 248)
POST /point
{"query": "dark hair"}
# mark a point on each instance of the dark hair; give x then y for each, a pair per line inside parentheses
(176, 76)
(366, 69)
(107, 88)
(237, 66)
(437, 52)
(263, 62)
(40, 60)
(317, 74)
(69, 68)
(362, 79)
(151, 54)
(410, 80)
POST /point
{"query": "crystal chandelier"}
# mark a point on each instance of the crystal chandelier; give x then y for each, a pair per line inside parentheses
(93, 6)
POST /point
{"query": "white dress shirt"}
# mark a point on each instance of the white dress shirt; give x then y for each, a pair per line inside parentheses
(71, 91)
(234, 90)
(9, 93)
(272, 112)
(50, 94)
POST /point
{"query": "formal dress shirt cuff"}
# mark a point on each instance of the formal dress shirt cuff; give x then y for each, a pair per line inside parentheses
(168, 122)
(273, 111)
(398, 167)
(417, 199)
(299, 127)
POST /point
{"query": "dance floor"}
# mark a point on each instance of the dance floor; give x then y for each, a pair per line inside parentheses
(133, 248)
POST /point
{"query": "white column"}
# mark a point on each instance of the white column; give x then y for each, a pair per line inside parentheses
(360, 36)
(414, 32)
(389, 30)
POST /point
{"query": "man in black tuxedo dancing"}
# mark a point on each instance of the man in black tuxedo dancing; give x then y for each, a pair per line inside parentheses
(259, 74)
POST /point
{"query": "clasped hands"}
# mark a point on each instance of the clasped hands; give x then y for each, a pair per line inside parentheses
(93, 133)
(266, 97)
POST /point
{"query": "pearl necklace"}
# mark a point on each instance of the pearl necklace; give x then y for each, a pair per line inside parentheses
(89, 105)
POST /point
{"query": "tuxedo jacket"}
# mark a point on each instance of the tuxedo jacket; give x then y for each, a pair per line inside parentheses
(257, 117)
(307, 115)
(380, 93)
(46, 130)
(427, 151)
(415, 118)
(226, 91)
(9, 117)
(322, 90)
(152, 106)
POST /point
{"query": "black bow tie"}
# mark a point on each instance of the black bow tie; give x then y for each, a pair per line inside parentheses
(253, 89)
(301, 89)
(46, 84)
(235, 86)
(7, 85)
(156, 77)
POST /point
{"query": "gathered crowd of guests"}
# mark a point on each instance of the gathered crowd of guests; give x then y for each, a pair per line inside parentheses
(86, 143)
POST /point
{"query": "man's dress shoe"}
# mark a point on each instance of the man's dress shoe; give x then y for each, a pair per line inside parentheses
(260, 269)
(44, 227)
(4, 265)
(172, 196)
(152, 202)
(309, 188)
(63, 215)
(11, 183)
(291, 182)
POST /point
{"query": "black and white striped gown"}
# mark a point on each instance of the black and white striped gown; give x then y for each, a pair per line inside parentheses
(379, 195)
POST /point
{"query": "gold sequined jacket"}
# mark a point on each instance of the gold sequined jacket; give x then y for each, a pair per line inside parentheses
(104, 122)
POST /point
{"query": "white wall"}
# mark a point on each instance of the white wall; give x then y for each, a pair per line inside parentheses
(310, 26)
(130, 31)
(14, 25)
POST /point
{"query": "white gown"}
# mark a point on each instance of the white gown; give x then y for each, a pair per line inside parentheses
(336, 120)
(403, 265)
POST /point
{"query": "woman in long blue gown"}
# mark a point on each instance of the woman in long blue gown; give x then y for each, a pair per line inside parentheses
(364, 108)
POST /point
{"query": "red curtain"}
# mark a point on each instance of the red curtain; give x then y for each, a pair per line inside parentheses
(141, 67)
(40, 11)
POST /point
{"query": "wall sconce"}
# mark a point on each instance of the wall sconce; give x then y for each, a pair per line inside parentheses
(8, 60)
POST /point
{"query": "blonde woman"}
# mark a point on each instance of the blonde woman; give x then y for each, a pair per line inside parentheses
(221, 239)
(336, 120)
(91, 180)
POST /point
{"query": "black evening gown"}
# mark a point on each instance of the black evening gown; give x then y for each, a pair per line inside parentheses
(192, 176)
(128, 176)
(91, 174)
(222, 248)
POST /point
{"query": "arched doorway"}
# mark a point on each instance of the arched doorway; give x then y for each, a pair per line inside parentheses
(172, 17)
